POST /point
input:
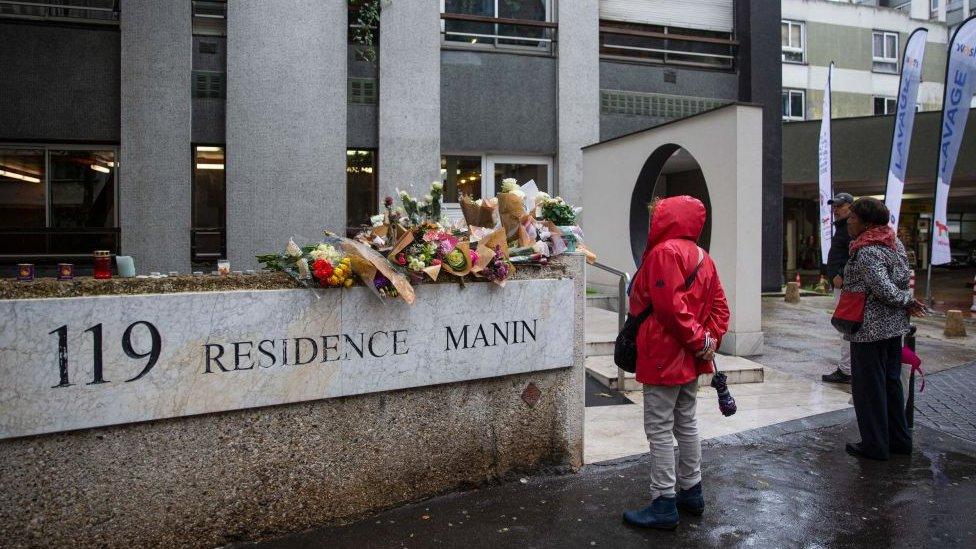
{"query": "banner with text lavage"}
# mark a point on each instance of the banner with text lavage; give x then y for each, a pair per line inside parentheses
(960, 85)
(826, 177)
(901, 139)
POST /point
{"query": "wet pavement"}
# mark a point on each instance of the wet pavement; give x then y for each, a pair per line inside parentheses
(949, 402)
(799, 339)
(787, 485)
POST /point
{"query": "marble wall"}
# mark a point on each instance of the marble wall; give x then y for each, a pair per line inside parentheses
(211, 479)
(71, 363)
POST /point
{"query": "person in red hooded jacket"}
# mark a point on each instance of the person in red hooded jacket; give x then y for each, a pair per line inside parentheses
(674, 346)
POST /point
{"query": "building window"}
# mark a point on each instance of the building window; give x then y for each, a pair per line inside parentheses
(209, 233)
(471, 22)
(792, 35)
(655, 105)
(208, 84)
(885, 105)
(794, 105)
(480, 176)
(667, 45)
(209, 17)
(93, 11)
(362, 200)
(362, 90)
(523, 169)
(884, 51)
(58, 201)
(461, 175)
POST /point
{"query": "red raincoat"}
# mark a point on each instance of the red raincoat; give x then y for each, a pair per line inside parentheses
(670, 337)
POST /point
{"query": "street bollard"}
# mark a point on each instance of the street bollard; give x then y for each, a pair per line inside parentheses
(910, 399)
(954, 326)
(792, 292)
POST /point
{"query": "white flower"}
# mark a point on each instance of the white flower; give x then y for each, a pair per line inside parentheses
(428, 198)
(303, 269)
(437, 186)
(509, 184)
(542, 198)
(326, 252)
(292, 249)
(377, 220)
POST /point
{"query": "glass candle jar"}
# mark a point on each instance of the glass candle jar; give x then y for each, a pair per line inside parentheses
(103, 264)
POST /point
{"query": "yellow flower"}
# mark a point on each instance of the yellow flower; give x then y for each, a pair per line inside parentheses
(348, 283)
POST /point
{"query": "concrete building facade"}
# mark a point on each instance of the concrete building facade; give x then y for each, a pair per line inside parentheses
(865, 41)
(252, 123)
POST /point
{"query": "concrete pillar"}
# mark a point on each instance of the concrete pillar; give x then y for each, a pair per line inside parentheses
(760, 82)
(410, 98)
(286, 124)
(154, 157)
(578, 81)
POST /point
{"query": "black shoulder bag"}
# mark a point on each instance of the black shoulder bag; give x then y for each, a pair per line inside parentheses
(625, 347)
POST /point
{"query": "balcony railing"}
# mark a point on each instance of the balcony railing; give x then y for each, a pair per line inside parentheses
(672, 47)
(90, 11)
(498, 32)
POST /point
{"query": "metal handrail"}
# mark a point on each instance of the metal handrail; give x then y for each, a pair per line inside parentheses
(623, 281)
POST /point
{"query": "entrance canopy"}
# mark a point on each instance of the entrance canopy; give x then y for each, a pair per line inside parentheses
(621, 175)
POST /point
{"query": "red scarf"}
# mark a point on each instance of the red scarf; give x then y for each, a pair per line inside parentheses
(882, 235)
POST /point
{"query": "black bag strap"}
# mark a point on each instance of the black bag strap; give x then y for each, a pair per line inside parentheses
(689, 280)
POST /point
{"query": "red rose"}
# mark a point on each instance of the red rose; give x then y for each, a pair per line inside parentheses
(322, 269)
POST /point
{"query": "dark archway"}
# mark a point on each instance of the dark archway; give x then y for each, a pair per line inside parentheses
(669, 171)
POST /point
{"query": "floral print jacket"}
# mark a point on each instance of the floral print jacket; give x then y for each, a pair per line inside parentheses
(882, 273)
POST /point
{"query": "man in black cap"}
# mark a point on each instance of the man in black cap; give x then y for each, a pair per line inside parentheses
(836, 261)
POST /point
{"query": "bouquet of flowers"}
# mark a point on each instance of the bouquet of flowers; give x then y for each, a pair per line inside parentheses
(322, 263)
(479, 213)
(511, 207)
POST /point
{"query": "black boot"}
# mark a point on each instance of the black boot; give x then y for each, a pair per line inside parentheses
(691, 500)
(836, 376)
(662, 514)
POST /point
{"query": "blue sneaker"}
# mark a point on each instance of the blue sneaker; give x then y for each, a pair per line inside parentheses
(662, 514)
(691, 500)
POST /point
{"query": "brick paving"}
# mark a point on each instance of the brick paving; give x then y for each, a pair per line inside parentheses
(949, 402)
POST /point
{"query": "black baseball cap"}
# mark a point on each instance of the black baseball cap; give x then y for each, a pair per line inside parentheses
(841, 198)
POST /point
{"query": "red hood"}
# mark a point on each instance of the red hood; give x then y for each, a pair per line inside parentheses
(675, 217)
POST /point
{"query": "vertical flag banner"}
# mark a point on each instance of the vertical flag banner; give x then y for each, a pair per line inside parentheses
(901, 139)
(960, 85)
(826, 179)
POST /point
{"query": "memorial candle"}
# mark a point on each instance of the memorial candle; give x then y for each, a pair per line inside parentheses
(66, 271)
(103, 264)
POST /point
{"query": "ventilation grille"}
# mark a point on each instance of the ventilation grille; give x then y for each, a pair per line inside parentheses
(654, 105)
(362, 90)
(208, 84)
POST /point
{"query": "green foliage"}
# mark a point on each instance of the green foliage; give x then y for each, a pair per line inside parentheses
(559, 213)
(368, 21)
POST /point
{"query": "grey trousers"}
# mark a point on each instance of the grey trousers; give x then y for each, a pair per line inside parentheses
(667, 411)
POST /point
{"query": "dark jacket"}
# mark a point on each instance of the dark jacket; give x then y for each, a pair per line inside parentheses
(839, 252)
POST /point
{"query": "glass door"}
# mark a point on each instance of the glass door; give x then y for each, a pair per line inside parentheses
(522, 168)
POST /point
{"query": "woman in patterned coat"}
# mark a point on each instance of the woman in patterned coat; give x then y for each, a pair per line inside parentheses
(878, 267)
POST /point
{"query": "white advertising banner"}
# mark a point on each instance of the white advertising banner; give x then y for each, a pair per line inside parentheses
(901, 139)
(826, 182)
(960, 85)
(73, 363)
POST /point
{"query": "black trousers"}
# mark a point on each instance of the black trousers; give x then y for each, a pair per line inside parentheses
(879, 400)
